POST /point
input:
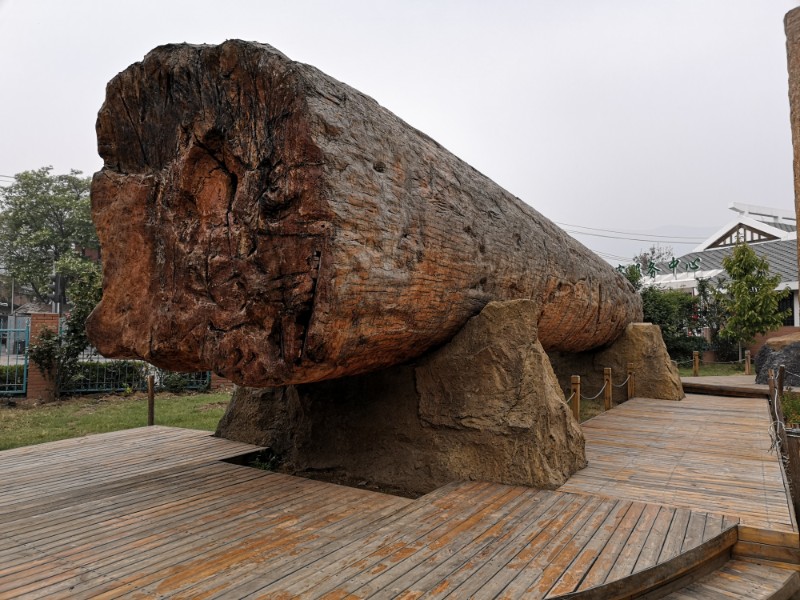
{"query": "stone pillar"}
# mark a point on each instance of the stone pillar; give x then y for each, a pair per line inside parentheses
(792, 26)
(40, 387)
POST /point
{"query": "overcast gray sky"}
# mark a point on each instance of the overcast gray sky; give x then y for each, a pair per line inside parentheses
(624, 115)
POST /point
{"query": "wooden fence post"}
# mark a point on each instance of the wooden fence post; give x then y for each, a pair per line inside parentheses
(779, 409)
(747, 362)
(631, 381)
(608, 388)
(771, 387)
(695, 363)
(576, 397)
(151, 400)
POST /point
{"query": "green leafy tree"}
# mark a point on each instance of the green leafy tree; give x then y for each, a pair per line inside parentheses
(676, 313)
(57, 353)
(633, 273)
(713, 313)
(43, 219)
(750, 298)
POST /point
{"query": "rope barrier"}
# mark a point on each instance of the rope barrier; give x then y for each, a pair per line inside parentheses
(790, 373)
(775, 426)
(722, 362)
(623, 384)
(571, 397)
(602, 389)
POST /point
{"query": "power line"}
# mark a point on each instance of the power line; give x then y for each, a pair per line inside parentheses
(636, 239)
(671, 237)
(612, 256)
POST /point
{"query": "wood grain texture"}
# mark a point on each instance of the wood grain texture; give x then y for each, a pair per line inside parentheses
(263, 220)
(792, 28)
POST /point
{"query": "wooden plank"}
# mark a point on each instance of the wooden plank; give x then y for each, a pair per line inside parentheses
(566, 557)
(626, 561)
(433, 572)
(397, 541)
(401, 570)
(100, 554)
(530, 566)
(742, 580)
(675, 536)
(691, 387)
(664, 452)
(755, 550)
(229, 546)
(605, 562)
(765, 536)
(656, 539)
(494, 568)
(490, 578)
(572, 576)
(458, 568)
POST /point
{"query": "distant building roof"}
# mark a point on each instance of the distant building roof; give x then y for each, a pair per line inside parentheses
(770, 232)
(34, 307)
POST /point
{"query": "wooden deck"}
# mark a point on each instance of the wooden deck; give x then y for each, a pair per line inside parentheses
(741, 386)
(202, 530)
(153, 513)
(702, 453)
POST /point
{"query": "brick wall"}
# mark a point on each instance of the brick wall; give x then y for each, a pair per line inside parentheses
(39, 387)
(219, 382)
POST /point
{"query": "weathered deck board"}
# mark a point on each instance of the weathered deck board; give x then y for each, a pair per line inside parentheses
(704, 453)
(36, 478)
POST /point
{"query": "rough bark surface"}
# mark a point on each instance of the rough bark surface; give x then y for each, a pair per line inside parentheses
(642, 346)
(792, 27)
(263, 220)
(485, 406)
(777, 351)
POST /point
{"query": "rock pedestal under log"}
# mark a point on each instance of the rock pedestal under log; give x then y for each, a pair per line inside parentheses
(641, 346)
(485, 406)
(262, 220)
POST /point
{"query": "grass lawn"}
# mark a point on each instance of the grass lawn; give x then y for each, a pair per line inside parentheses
(74, 417)
(714, 369)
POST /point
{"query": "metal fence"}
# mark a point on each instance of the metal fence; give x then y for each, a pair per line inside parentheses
(14, 359)
(96, 374)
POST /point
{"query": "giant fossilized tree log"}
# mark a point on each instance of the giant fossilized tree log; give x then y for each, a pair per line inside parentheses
(261, 219)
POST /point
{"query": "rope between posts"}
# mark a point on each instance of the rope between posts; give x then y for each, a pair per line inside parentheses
(571, 397)
(597, 395)
(790, 373)
(623, 384)
(722, 362)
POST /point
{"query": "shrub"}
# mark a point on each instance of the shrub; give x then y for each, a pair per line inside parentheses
(11, 377)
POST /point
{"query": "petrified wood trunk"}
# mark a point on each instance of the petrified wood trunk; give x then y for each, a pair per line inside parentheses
(266, 221)
(792, 27)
